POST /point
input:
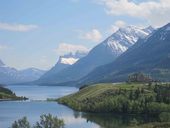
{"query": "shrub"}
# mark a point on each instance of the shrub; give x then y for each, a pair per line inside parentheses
(21, 123)
(164, 117)
(46, 121)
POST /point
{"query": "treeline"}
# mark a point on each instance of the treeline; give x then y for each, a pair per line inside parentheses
(147, 99)
(7, 94)
(5, 90)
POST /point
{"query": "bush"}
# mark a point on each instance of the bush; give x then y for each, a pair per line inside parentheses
(164, 117)
(46, 121)
(21, 123)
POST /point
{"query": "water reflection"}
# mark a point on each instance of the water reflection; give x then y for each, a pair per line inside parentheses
(11, 111)
(114, 120)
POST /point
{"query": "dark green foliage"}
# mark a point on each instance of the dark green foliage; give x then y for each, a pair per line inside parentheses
(5, 90)
(21, 123)
(139, 77)
(7, 94)
(46, 121)
(142, 99)
(154, 125)
(150, 100)
(165, 117)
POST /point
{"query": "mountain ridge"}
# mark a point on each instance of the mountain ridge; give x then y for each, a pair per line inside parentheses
(63, 62)
(149, 55)
(10, 75)
(103, 53)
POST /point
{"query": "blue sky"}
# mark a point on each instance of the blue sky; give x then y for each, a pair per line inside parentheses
(33, 33)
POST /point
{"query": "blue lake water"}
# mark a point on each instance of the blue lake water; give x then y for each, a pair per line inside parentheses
(13, 110)
(37, 105)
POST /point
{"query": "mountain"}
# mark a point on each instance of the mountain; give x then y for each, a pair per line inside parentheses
(150, 55)
(7, 74)
(30, 74)
(104, 53)
(63, 62)
(10, 75)
(149, 29)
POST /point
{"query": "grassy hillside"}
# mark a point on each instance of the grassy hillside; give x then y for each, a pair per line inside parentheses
(121, 98)
(6, 94)
(152, 100)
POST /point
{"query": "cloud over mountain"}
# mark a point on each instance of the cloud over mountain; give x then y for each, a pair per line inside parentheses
(64, 48)
(148, 10)
(93, 35)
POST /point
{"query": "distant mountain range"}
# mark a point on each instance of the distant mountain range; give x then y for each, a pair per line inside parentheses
(63, 62)
(104, 53)
(9, 75)
(150, 55)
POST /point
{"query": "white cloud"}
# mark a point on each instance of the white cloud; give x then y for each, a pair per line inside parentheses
(65, 48)
(118, 24)
(17, 27)
(154, 12)
(93, 35)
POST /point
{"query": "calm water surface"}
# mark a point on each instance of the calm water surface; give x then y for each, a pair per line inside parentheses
(13, 110)
(36, 106)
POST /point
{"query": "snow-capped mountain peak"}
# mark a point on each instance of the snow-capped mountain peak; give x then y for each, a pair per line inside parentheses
(71, 58)
(104, 53)
(149, 29)
(132, 33)
(163, 33)
(64, 62)
(125, 37)
(132, 29)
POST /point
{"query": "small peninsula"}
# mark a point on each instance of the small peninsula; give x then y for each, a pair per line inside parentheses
(7, 94)
(150, 99)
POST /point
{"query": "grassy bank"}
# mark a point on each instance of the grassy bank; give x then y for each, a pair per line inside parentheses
(7, 94)
(133, 99)
(121, 98)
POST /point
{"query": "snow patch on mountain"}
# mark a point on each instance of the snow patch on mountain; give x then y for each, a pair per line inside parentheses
(63, 62)
(116, 46)
(125, 37)
(149, 29)
(12, 75)
(104, 53)
(71, 58)
(69, 61)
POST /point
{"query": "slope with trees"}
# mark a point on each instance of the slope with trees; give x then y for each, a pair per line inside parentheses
(121, 98)
(7, 94)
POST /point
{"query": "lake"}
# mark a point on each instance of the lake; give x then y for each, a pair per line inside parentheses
(37, 105)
